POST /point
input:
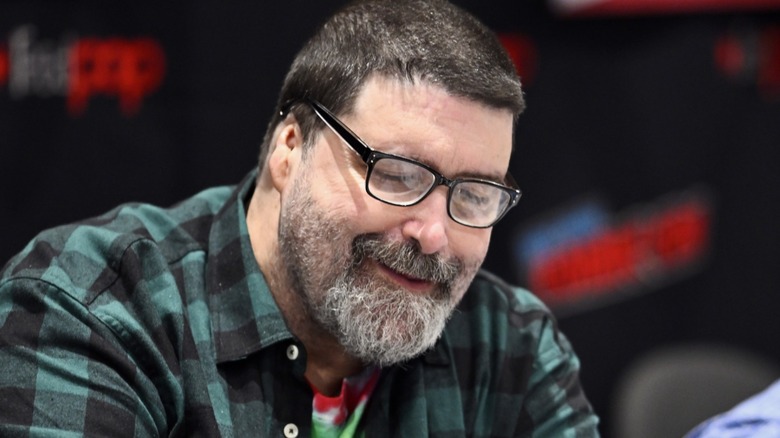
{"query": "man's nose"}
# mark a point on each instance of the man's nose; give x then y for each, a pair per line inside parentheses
(429, 222)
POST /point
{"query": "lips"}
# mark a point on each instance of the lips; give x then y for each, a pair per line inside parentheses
(403, 264)
(406, 281)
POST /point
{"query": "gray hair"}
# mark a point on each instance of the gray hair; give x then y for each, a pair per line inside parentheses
(409, 40)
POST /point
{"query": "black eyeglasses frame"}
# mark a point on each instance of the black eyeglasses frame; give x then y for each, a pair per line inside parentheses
(370, 156)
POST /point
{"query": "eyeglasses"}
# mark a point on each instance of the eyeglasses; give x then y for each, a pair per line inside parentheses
(404, 182)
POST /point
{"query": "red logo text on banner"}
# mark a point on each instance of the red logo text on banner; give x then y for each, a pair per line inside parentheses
(79, 69)
(624, 254)
(584, 255)
(127, 69)
(522, 51)
(3, 65)
(751, 54)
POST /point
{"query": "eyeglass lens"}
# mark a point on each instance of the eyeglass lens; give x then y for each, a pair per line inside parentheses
(403, 182)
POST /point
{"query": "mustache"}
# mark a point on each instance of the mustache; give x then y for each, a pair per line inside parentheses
(406, 258)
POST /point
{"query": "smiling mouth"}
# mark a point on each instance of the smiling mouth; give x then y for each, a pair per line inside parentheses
(413, 284)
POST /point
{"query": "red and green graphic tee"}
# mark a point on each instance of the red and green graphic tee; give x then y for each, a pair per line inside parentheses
(338, 417)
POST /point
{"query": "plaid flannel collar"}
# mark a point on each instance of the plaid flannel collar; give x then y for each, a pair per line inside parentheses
(245, 317)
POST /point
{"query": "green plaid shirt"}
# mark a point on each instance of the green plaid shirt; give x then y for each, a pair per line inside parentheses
(158, 322)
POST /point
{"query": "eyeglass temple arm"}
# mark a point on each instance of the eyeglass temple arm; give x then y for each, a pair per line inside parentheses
(345, 133)
(330, 119)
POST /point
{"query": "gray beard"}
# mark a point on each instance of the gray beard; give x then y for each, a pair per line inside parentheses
(380, 324)
(375, 320)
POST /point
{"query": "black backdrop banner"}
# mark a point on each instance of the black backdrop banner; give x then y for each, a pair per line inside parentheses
(647, 156)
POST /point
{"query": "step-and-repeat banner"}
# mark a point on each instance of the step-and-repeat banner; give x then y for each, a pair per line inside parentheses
(648, 155)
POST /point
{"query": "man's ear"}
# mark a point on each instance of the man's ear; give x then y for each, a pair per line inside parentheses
(286, 153)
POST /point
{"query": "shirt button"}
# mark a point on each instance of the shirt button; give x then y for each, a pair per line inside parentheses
(291, 431)
(292, 352)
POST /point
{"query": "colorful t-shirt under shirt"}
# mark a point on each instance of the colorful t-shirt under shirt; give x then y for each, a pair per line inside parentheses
(338, 417)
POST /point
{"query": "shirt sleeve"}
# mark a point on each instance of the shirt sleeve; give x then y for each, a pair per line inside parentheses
(63, 371)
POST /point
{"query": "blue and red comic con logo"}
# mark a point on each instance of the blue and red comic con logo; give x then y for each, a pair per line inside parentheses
(78, 69)
(584, 254)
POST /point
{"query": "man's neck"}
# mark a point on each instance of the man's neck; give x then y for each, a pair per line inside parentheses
(326, 369)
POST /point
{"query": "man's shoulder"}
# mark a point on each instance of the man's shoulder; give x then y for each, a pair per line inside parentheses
(508, 354)
(500, 316)
(82, 255)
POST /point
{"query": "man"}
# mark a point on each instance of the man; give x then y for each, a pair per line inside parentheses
(335, 292)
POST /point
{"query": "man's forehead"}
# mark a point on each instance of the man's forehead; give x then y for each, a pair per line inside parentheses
(413, 117)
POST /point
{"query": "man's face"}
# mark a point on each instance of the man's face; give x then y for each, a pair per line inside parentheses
(382, 279)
